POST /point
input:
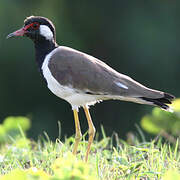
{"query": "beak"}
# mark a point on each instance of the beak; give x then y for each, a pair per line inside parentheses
(19, 32)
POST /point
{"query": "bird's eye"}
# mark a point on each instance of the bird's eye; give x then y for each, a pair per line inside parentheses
(35, 25)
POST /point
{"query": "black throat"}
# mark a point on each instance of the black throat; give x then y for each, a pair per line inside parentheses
(42, 48)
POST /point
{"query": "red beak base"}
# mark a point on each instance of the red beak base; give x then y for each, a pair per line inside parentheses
(19, 32)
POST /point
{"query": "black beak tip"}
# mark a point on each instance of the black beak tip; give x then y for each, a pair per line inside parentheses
(9, 35)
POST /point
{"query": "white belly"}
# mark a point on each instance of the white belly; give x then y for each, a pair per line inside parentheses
(66, 92)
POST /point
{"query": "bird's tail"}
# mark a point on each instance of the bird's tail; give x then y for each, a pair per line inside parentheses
(161, 102)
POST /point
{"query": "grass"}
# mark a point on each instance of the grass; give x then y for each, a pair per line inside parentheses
(23, 158)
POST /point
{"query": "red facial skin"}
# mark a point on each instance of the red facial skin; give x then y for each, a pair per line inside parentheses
(23, 31)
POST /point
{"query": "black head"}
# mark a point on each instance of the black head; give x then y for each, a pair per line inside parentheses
(36, 28)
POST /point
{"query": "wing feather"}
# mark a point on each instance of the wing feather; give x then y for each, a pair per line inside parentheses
(90, 75)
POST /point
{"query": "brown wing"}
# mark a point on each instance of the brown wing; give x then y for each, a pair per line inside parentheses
(90, 75)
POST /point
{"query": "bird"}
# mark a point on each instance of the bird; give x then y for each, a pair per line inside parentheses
(81, 79)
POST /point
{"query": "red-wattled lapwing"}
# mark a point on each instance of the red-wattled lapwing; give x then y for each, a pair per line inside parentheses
(81, 79)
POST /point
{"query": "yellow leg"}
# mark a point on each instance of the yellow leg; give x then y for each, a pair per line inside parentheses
(91, 131)
(78, 135)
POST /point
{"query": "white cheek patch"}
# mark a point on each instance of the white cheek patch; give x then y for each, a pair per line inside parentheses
(121, 85)
(46, 32)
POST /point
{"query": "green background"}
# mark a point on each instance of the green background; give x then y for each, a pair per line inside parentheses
(138, 38)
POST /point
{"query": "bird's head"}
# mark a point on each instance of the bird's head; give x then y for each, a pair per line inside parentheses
(36, 28)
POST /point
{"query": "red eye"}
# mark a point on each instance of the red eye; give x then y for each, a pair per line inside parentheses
(35, 25)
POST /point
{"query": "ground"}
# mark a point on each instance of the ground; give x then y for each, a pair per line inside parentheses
(110, 159)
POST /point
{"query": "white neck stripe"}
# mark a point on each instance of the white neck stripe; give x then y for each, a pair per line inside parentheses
(46, 32)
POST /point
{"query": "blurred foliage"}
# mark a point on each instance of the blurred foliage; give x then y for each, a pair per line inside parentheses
(30, 174)
(73, 169)
(49, 160)
(162, 121)
(171, 175)
(13, 127)
(63, 169)
(137, 38)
